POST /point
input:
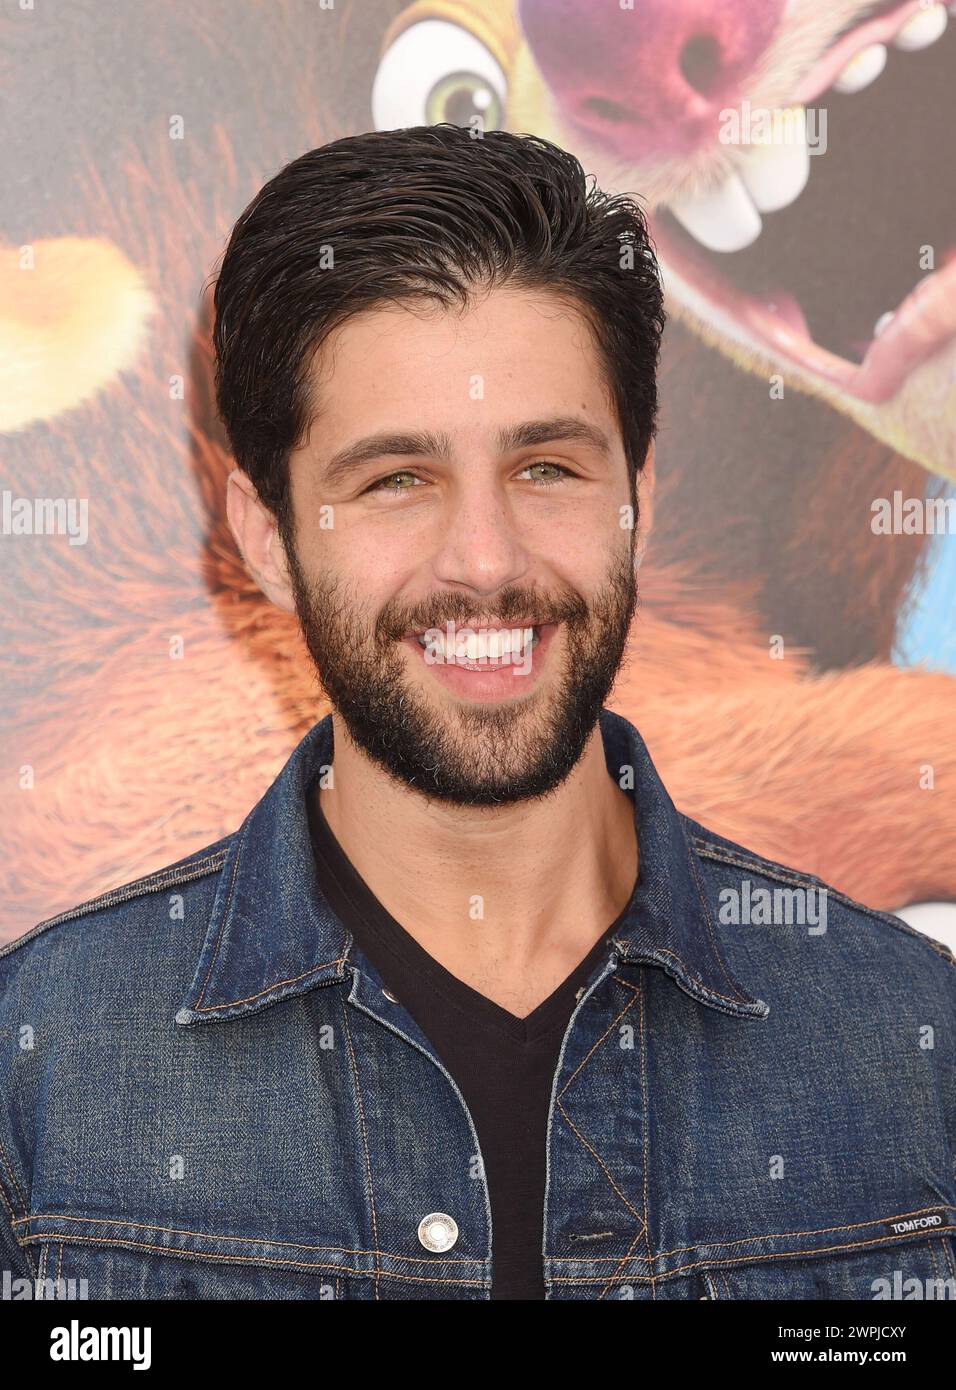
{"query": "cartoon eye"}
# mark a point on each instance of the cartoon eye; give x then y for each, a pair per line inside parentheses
(437, 71)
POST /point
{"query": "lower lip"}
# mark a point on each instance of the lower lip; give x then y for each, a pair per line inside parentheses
(490, 682)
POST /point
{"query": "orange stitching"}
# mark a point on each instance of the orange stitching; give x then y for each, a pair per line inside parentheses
(204, 1235)
(413, 1259)
(710, 931)
(776, 1235)
(784, 874)
(783, 1235)
(149, 883)
(27, 1252)
(587, 1056)
(279, 984)
(296, 1264)
(581, 1140)
(647, 1242)
(728, 998)
(739, 1260)
(647, 1237)
(364, 1131)
(575, 1131)
(222, 925)
(621, 1263)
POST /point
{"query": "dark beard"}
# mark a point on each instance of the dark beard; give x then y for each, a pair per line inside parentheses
(499, 753)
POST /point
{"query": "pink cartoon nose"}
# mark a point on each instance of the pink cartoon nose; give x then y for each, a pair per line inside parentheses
(654, 79)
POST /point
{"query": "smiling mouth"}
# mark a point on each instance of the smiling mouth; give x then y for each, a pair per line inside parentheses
(818, 259)
(478, 648)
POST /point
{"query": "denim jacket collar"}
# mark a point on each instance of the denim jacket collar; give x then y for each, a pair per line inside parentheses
(272, 934)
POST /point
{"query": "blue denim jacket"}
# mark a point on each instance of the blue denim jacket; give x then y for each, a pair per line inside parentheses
(205, 1091)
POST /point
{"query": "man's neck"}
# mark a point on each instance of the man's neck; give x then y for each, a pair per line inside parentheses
(510, 899)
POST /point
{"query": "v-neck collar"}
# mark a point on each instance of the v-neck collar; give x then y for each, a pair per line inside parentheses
(348, 893)
(272, 934)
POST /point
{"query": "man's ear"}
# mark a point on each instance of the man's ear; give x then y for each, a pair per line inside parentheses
(257, 536)
(646, 482)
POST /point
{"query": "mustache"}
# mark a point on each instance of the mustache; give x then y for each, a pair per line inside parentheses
(516, 609)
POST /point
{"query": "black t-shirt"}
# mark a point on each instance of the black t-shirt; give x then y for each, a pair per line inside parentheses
(503, 1065)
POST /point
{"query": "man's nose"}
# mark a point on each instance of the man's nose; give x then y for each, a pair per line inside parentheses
(651, 80)
(478, 542)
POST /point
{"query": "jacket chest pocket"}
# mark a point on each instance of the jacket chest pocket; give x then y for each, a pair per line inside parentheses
(74, 1270)
(923, 1268)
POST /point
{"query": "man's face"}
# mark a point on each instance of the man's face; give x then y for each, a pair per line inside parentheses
(419, 568)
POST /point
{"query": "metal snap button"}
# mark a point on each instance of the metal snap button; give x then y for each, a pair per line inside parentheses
(437, 1231)
(389, 996)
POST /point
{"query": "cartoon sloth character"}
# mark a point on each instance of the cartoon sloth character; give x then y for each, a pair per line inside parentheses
(142, 661)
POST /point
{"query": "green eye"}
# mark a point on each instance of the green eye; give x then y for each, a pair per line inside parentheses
(405, 481)
(547, 482)
(383, 483)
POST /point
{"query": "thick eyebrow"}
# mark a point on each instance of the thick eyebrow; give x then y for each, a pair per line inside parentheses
(426, 444)
(385, 444)
(561, 427)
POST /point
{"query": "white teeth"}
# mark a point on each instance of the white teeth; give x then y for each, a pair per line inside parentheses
(862, 69)
(883, 322)
(922, 29)
(776, 175)
(493, 643)
(723, 218)
(485, 644)
(772, 175)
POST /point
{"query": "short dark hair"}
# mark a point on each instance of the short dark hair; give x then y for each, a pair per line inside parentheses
(428, 212)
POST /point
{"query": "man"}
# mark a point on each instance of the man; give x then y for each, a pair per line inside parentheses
(466, 1009)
